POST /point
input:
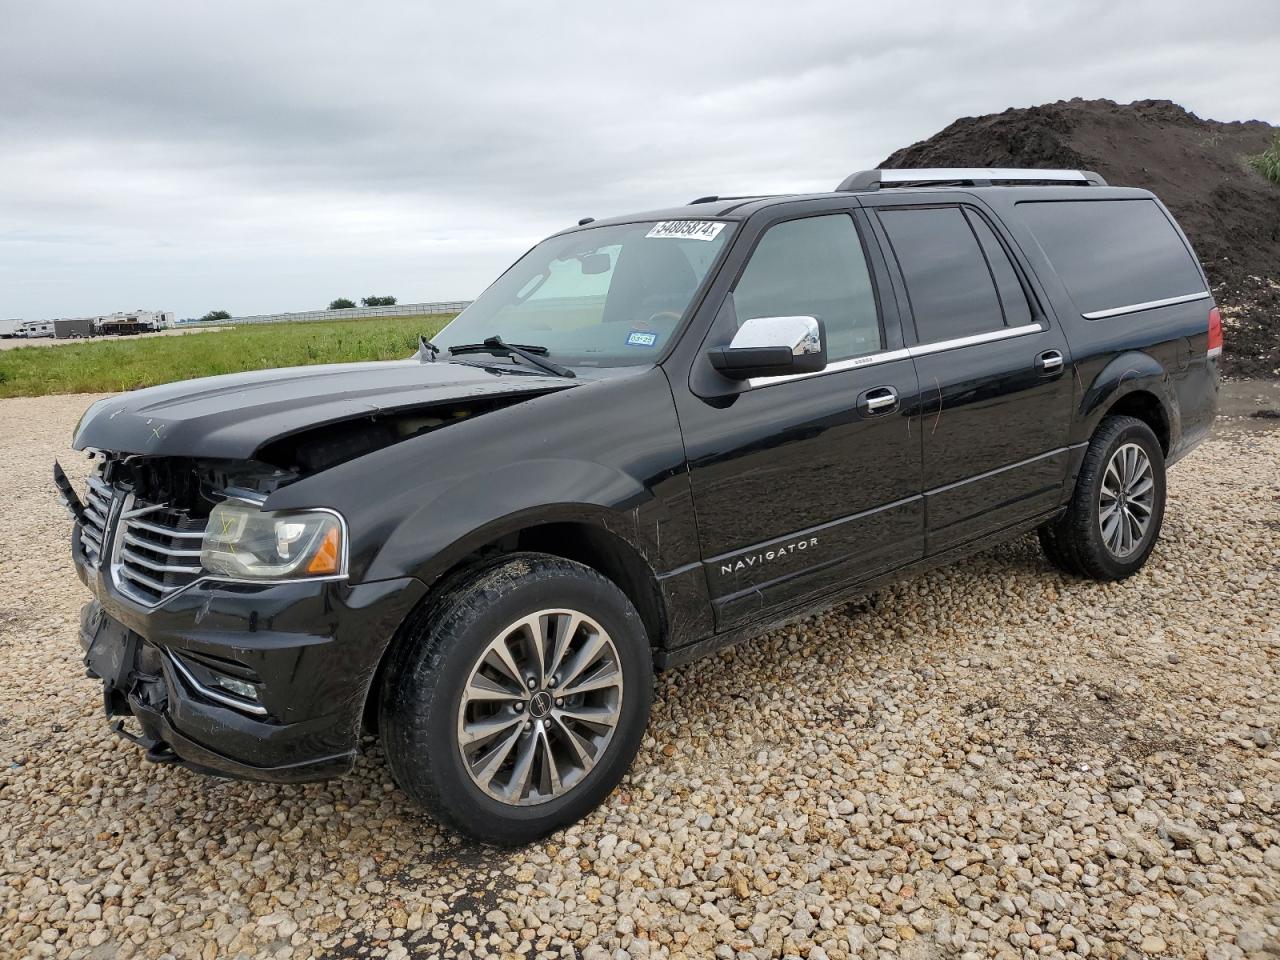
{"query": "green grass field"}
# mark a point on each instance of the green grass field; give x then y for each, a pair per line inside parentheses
(100, 366)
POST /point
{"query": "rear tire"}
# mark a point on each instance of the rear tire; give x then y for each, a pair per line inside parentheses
(1117, 509)
(515, 703)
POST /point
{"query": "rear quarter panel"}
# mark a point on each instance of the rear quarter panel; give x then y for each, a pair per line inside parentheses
(1161, 351)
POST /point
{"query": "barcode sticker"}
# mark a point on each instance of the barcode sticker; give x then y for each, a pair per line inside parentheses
(686, 230)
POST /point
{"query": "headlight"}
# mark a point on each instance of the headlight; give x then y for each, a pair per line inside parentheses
(243, 541)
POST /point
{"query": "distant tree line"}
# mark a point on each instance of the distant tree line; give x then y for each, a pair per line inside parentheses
(342, 303)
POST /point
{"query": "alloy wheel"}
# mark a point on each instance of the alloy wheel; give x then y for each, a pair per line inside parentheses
(540, 707)
(1126, 500)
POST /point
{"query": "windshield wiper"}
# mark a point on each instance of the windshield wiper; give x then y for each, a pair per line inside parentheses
(427, 351)
(528, 352)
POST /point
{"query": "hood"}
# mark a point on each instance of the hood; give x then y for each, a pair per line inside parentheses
(232, 416)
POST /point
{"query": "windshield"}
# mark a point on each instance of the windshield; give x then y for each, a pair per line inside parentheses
(607, 296)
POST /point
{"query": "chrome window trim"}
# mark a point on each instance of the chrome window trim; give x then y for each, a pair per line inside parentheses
(919, 350)
(1004, 333)
(1148, 305)
(852, 363)
(227, 700)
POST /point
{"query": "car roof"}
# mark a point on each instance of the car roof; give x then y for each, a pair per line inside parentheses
(739, 208)
(708, 208)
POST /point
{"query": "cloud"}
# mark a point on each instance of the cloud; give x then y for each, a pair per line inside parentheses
(263, 157)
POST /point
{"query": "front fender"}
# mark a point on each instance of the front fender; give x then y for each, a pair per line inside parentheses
(470, 514)
(609, 452)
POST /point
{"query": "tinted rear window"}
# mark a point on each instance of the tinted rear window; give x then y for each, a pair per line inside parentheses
(1113, 253)
(948, 282)
(1017, 312)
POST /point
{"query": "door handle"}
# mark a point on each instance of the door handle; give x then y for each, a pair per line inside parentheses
(879, 400)
(1049, 362)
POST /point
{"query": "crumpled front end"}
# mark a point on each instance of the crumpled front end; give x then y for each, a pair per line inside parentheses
(262, 680)
(232, 682)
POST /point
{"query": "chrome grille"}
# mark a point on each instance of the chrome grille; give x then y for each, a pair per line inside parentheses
(97, 511)
(156, 551)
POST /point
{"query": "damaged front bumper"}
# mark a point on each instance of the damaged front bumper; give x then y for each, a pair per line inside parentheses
(260, 682)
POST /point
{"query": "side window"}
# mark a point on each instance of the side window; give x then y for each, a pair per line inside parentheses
(948, 282)
(1113, 253)
(1013, 298)
(814, 267)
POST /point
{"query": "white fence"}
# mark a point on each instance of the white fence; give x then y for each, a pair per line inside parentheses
(354, 313)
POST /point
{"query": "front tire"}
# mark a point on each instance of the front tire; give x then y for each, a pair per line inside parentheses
(1117, 510)
(515, 703)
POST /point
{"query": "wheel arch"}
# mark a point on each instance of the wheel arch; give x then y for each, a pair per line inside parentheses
(585, 539)
(1133, 384)
(1145, 406)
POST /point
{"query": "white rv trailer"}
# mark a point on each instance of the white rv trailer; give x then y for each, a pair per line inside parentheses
(31, 329)
(133, 321)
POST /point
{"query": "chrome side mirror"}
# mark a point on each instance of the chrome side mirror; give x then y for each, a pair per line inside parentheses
(772, 347)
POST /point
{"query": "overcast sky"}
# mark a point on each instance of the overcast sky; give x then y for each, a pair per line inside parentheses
(263, 156)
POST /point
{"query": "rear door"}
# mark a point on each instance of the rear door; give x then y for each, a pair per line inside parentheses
(804, 483)
(994, 369)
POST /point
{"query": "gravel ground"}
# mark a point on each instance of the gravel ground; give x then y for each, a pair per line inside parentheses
(993, 760)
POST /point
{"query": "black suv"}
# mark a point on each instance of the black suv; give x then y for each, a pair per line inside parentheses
(652, 436)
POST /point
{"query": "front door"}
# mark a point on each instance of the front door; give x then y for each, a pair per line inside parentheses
(804, 483)
(995, 381)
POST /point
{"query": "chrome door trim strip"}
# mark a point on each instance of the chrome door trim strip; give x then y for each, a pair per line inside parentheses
(1148, 305)
(919, 350)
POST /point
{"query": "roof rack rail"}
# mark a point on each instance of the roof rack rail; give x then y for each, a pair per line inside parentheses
(713, 198)
(969, 176)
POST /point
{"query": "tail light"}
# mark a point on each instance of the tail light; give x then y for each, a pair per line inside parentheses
(1215, 333)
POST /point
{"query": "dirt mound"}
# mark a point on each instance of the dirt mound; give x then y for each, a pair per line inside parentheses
(1199, 168)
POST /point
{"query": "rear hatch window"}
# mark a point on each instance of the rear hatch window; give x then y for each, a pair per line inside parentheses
(1113, 254)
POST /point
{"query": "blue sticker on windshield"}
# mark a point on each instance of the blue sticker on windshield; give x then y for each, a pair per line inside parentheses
(640, 338)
